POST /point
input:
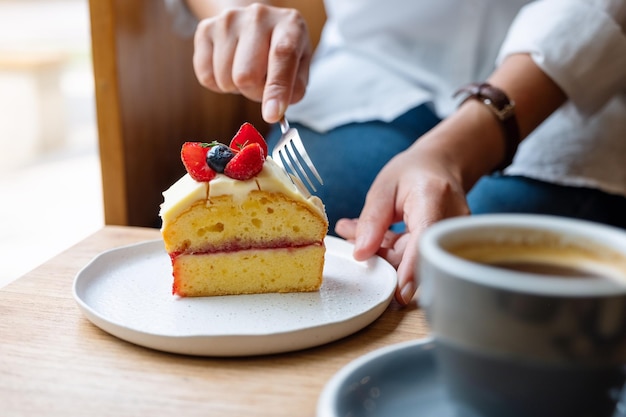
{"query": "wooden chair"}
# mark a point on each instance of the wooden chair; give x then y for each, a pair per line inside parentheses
(149, 102)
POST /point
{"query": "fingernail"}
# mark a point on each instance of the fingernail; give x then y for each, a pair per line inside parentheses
(407, 292)
(272, 110)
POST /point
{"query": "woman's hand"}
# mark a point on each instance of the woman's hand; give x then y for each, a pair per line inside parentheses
(259, 51)
(419, 187)
(429, 181)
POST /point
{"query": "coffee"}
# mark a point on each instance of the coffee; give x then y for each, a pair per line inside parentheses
(543, 254)
(544, 268)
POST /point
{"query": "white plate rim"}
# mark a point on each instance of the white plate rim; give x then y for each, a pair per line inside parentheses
(232, 345)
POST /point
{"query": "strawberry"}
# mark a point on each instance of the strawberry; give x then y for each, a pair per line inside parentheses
(246, 163)
(193, 155)
(247, 135)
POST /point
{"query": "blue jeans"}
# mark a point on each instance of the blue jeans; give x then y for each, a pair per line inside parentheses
(515, 194)
(349, 157)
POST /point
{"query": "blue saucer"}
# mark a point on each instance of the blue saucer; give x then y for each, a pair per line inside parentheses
(398, 380)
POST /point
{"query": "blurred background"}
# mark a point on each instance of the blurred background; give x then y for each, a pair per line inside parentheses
(50, 183)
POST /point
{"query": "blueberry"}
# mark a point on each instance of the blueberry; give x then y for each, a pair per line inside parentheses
(218, 156)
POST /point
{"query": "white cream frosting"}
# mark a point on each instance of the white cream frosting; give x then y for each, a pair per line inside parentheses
(186, 191)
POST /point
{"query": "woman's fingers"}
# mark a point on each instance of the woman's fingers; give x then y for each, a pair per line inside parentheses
(203, 56)
(288, 66)
(259, 51)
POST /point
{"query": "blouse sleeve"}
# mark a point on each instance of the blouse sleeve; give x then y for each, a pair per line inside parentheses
(184, 22)
(580, 44)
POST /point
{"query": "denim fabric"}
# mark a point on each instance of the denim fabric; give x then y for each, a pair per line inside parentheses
(515, 194)
(349, 157)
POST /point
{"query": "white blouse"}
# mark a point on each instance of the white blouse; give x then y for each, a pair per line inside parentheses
(377, 59)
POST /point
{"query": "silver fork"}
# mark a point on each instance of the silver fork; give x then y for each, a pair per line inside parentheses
(287, 152)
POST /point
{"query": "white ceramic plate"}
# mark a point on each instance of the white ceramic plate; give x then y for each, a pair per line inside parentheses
(127, 292)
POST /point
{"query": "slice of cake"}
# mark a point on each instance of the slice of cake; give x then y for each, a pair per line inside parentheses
(237, 224)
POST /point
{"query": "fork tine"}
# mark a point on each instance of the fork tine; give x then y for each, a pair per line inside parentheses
(288, 152)
(276, 156)
(279, 156)
(296, 142)
(288, 158)
(286, 161)
(294, 155)
(299, 147)
(284, 125)
(298, 182)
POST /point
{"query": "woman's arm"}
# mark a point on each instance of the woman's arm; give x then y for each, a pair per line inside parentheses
(580, 44)
(536, 97)
(429, 181)
(555, 51)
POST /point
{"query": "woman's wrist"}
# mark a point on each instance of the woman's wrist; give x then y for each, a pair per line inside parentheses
(468, 144)
(473, 141)
(536, 95)
(502, 108)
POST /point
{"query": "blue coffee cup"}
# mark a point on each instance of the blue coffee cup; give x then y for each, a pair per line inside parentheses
(528, 313)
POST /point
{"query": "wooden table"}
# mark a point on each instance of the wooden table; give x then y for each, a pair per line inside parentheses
(53, 362)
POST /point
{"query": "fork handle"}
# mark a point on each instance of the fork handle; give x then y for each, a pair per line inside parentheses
(284, 125)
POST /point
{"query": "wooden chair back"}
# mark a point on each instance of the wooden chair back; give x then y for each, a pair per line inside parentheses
(149, 102)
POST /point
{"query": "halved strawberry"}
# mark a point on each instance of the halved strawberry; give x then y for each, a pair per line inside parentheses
(247, 135)
(193, 155)
(246, 163)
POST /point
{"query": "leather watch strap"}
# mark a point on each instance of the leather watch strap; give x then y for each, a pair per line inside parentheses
(503, 109)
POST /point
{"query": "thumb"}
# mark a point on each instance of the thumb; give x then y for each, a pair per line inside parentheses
(288, 58)
(272, 109)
